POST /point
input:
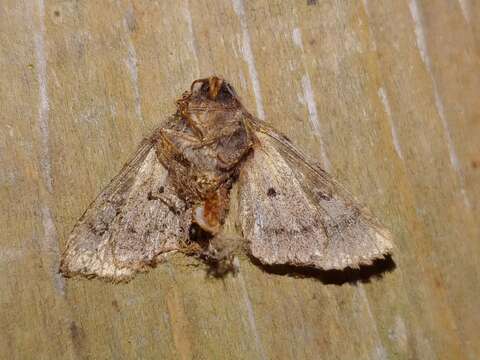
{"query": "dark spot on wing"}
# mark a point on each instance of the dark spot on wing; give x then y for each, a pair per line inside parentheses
(271, 192)
(312, 2)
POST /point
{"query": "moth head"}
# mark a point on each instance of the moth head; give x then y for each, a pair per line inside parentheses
(209, 105)
(211, 92)
(213, 88)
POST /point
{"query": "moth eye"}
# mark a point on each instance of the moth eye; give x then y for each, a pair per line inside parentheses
(271, 192)
(205, 88)
(224, 93)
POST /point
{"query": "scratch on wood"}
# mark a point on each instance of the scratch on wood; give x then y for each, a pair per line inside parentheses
(190, 39)
(465, 6)
(399, 334)
(132, 63)
(419, 33)
(423, 344)
(386, 105)
(373, 43)
(243, 81)
(247, 52)
(251, 317)
(297, 38)
(423, 49)
(309, 98)
(44, 107)
(365, 7)
(379, 351)
(50, 240)
(51, 246)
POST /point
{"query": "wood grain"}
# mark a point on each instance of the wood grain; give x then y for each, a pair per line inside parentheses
(384, 94)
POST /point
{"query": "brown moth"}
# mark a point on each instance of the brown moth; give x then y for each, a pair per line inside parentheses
(210, 160)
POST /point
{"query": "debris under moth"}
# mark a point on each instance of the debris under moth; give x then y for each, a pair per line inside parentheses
(176, 193)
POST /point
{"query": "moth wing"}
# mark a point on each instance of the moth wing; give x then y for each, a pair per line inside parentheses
(292, 212)
(127, 227)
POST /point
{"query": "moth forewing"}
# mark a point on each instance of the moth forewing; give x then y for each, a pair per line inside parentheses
(127, 228)
(293, 213)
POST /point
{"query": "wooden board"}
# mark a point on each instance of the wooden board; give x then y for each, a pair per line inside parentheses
(384, 94)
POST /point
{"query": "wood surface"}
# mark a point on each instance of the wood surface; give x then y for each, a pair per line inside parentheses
(384, 94)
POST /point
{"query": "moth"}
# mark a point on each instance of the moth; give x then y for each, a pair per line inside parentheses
(210, 161)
